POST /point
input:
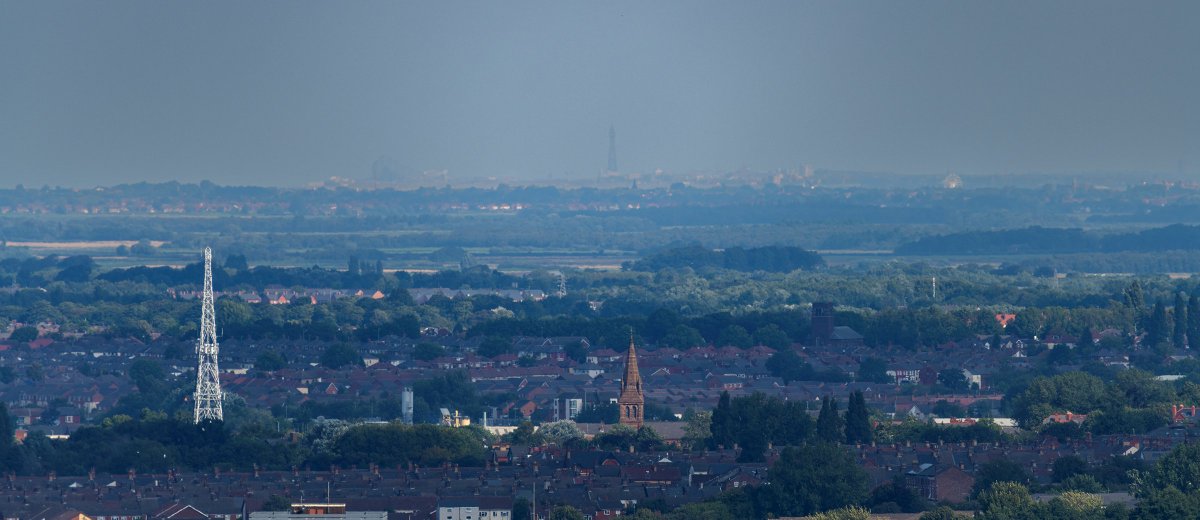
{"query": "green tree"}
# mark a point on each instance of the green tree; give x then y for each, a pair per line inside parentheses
(843, 513)
(426, 351)
(8, 461)
(1073, 391)
(705, 510)
(940, 513)
(735, 335)
(787, 365)
(858, 420)
(1074, 505)
(24, 334)
(493, 346)
(524, 434)
(148, 376)
(816, 477)
(1000, 470)
(277, 503)
(35, 372)
(829, 422)
(565, 512)
(1007, 501)
(394, 443)
(1179, 332)
(560, 432)
(1068, 466)
(1167, 504)
(143, 248)
(873, 370)
(1134, 297)
(1179, 469)
(598, 411)
(682, 337)
(1193, 321)
(698, 430)
(944, 408)
(954, 379)
(772, 336)
(896, 493)
(1157, 327)
(1087, 340)
(576, 351)
(236, 262)
(234, 314)
(269, 361)
(660, 323)
(338, 355)
(723, 423)
(1082, 482)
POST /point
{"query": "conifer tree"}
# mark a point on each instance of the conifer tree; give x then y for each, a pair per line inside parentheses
(1087, 340)
(722, 426)
(858, 421)
(1179, 334)
(1193, 321)
(1157, 326)
(829, 423)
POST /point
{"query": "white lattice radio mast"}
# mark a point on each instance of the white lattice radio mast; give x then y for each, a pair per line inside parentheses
(208, 381)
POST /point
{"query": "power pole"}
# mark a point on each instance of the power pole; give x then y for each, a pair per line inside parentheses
(208, 381)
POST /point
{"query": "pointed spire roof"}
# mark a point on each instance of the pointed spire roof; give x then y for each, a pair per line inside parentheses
(632, 382)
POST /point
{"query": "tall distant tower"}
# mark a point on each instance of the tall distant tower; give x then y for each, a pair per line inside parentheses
(208, 382)
(612, 149)
(822, 322)
(406, 405)
(632, 402)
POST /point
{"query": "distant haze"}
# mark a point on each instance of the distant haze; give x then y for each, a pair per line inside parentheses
(286, 93)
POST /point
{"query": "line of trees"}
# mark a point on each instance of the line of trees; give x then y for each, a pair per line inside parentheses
(756, 422)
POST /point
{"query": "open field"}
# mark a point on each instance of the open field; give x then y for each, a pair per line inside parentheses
(81, 245)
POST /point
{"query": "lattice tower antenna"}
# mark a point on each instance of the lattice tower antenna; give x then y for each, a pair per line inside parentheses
(562, 285)
(208, 382)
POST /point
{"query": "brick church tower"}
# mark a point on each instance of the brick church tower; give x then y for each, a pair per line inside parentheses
(632, 401)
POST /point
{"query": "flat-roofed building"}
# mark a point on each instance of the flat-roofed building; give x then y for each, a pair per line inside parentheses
(318, 511)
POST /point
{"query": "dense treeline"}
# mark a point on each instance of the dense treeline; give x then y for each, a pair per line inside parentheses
(1131, 402)
(670, 308)
(676, 308)
(156, 442)
(755, 422)
(773, 258)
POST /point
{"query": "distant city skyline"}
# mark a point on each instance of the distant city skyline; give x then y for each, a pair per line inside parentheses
(291, 93)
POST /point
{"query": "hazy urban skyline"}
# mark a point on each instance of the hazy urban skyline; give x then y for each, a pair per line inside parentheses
(294, 92)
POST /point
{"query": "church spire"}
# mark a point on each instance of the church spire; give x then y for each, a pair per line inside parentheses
(632, 401)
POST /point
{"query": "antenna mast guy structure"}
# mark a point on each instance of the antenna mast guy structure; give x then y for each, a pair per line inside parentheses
(208, 382)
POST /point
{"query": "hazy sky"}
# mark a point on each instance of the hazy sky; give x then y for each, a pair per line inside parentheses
(293, 92)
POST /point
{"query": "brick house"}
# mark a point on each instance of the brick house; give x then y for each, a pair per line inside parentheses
(940, 482)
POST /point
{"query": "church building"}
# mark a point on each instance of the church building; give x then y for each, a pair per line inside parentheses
(632, 401)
